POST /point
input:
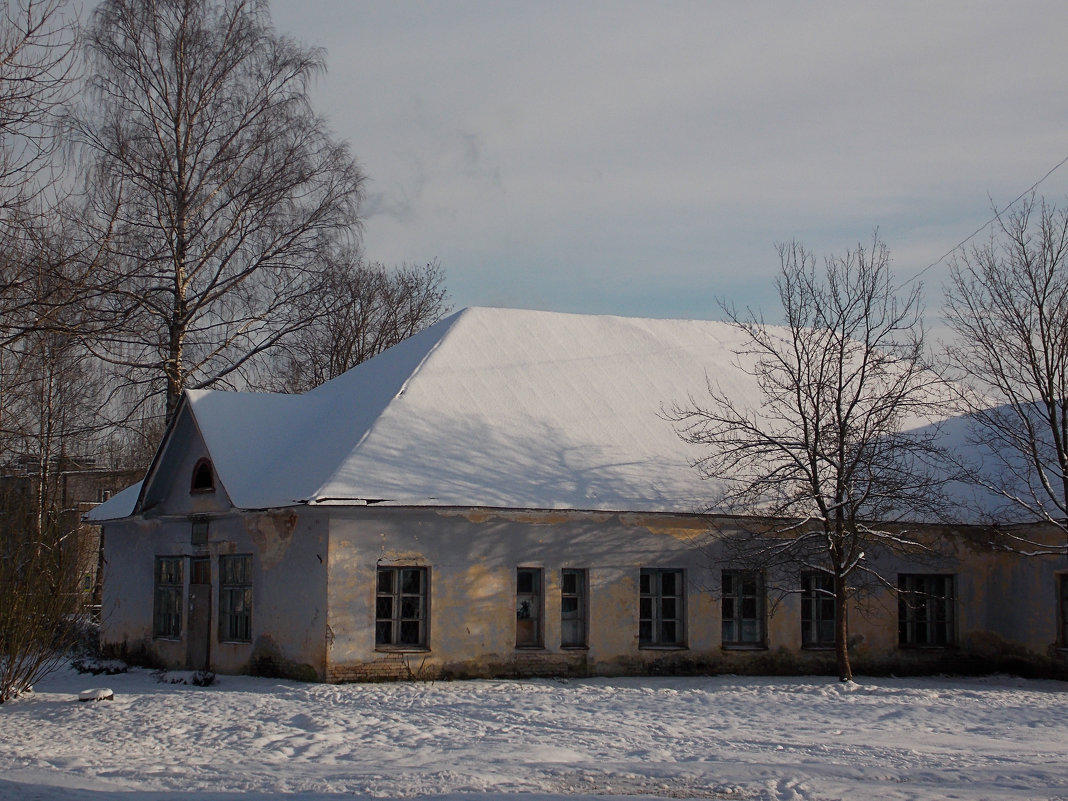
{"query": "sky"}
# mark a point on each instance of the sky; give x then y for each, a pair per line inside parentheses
(645, 159)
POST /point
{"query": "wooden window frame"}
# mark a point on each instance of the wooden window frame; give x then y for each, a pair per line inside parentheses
(816, 602)
(235, 598)
(927, 610)
(399, 609)
(1062, 611)
(168, 592)
(744, 609)
(529, 607)
(661, 608)
(574, 607)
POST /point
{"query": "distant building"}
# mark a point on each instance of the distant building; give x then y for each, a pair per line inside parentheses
(76, 486)
(500, 495)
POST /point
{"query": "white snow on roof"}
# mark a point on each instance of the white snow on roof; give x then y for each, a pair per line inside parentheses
(118, 506)
(489, 407)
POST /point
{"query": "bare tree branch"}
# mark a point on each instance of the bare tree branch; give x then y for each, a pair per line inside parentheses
(231, 196)
(827, 458)
(1008, 303)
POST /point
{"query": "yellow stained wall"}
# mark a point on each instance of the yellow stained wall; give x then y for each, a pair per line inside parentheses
(315, 577)
(1003, 601)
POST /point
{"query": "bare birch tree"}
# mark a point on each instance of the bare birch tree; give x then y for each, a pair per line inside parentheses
(1008, 303)
(49, 419)
(37, 41)
(826, 462)
(230, 193)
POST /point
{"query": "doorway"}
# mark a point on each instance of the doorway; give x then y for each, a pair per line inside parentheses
(199, 653)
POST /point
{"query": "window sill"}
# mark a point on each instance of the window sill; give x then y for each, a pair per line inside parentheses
(402, 649)
(923, 647)
(744, 646)
(651, 646)
(530, 647)
(818, 647)
(574, 647)
(235, 642)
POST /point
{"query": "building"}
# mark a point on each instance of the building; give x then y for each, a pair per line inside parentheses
(501, 494)
(72, 487)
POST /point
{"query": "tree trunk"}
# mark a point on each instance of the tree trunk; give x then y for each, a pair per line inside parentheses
(841, 630)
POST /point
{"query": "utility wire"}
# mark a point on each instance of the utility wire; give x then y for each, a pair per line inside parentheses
(988, 223)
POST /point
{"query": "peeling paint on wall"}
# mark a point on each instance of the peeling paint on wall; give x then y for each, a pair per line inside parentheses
(272, 533)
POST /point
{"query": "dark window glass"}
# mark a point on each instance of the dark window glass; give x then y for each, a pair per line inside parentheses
(817, 610)
(743, 607)
(573, 618)
(926, 610)
(528, 606)
(167, 620)
(661, 607)
(203, 477)
(235, 598)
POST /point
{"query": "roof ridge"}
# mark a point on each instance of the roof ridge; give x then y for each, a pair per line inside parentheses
(452, 320)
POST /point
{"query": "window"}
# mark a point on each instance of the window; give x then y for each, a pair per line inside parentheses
(661, 618)
(925, 610)
(199, 534)
(743, 607)
(573, 586)
(401, 607)
(1062, 585)
(528, 607)
(235, 598)
(817, 610)
(203, 477)
(167, 620)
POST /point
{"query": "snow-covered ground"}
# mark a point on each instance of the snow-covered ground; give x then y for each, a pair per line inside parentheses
(721, 737)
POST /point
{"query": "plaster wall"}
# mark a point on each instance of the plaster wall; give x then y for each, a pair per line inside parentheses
(167, 490)
(314, 592)
(1003, 601)
(288, 620)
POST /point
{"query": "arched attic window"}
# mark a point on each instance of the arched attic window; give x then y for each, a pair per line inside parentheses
(203, 476)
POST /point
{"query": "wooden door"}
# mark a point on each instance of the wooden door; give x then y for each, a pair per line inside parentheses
(199, 653)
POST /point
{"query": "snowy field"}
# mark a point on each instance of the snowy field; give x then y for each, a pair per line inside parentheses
(722, 737)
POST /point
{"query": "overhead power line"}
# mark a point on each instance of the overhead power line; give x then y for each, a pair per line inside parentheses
(989, 222)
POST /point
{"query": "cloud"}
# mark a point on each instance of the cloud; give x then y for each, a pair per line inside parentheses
(619, 153)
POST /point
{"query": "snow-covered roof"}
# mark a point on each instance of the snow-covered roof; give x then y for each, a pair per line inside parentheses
(503, 408)
(490, 407)
(118, 506)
